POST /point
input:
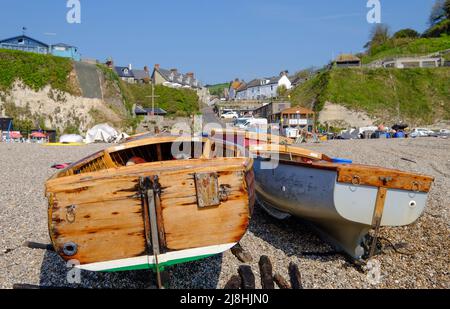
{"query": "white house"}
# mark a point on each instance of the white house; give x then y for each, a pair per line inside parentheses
(263, 88)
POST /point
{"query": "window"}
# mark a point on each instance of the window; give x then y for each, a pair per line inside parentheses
(21, 41)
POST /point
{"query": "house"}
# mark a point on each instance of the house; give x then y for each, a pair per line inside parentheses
(25, 43)
(298, 117)
(413, 62)
(347, 61)
(173, 78)
(65, 51)
(270, 109)
(28, 44)
(234, 87)
(263, 88)
(125, 74)
(142, 76)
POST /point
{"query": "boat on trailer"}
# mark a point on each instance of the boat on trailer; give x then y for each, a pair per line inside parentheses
(344, 201)
(150, 203)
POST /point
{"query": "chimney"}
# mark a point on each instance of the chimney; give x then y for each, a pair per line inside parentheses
(190, 74)
(130, 67)
(157, 66)
(146, 69)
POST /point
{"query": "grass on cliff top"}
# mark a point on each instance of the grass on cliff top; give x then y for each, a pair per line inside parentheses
(34, 70)
(423, 95)
(408, 47)
(179, 102)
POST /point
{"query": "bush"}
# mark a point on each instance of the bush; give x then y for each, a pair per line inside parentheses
(34, 70)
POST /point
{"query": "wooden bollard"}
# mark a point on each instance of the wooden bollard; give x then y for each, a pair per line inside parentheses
(241, 254)
(234, 283)
(247, 277)
(281, 282)
(266, 270)
(296, 278)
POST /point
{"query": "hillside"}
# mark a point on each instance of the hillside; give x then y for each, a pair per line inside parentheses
(218, 89)
(35, 71)
(47, 92)
(408, 47)
(43, 91)
(423, 95)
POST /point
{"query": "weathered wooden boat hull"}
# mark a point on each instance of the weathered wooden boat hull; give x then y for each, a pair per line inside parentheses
(100, 211)
(341, 210)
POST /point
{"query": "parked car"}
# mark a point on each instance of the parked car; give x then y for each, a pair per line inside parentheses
(230, 115)
(421, 132)
(254, 122)
(444, 133)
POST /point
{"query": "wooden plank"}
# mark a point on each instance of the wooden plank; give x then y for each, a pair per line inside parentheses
(102, 231)
(226, 223)
(380, 177)
(379, 206)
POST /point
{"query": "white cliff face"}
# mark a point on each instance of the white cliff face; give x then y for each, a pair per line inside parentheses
(57, 109)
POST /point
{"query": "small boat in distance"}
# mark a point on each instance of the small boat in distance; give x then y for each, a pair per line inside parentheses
(344, 201)
(150, 203)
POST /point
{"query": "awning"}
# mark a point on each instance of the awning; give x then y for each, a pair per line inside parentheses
(38, 135)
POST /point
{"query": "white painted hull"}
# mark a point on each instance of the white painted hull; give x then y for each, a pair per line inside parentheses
(164, 260)
(343, 213)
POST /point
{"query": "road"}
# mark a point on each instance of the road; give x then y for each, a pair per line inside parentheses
(210, 117)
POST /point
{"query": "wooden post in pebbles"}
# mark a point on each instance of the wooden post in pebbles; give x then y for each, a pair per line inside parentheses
(281, 282)
(265, 267)
(234, 283)
(296, 278)
(247, 277)
(241, 254)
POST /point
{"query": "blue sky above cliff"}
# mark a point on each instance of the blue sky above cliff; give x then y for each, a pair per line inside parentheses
(218, 40)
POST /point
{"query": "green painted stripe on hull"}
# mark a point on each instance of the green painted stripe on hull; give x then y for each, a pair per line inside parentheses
(162, 266)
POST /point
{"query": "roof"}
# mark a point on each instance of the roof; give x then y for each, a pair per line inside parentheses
(298, 110)
(260, 82)
(24, 37)
(347, 58)
(145, 111)
(178, 78)
(141, 74)
(64, 45)
(124, 72)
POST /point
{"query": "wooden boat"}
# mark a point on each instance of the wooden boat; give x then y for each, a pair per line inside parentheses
(140, 206)
(344, 201)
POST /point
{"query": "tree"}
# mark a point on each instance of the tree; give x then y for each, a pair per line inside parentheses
(282, 91)
(438, 12)
(378, 36)
(406, 33)
(447, 9)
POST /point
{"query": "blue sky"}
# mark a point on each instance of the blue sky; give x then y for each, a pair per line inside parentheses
(217, 39)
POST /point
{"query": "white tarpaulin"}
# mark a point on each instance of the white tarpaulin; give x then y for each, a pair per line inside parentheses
(102, 133)
(71, 138)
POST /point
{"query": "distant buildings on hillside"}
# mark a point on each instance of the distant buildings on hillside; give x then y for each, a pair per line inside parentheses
(28, 44)
(260, 88)
(173, 78)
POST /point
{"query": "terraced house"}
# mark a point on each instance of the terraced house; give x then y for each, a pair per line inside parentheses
(263, 88)
(28, 44)
(173, 78)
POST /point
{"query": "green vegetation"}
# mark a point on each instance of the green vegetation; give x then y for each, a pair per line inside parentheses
(34, 70)
(178, 102)
(423, 95)
(407, 46)
(218, 89)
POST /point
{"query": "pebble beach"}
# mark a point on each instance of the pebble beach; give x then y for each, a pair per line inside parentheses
(421, 260)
